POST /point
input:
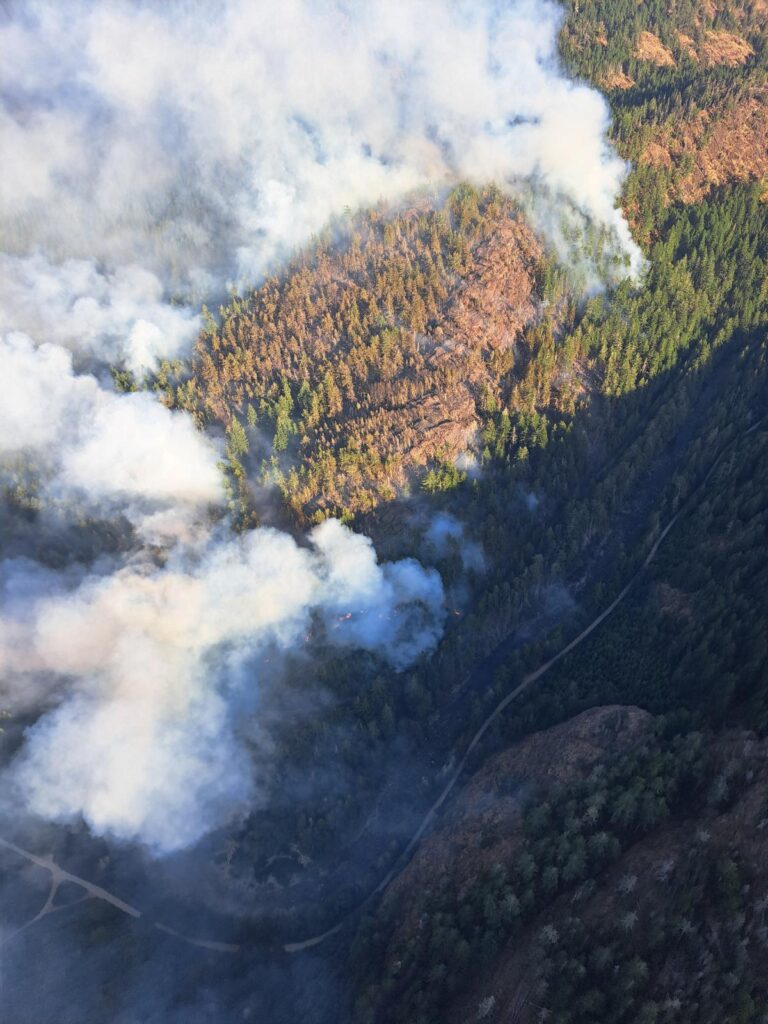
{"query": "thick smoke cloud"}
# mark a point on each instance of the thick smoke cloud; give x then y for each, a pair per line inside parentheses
(122, 317)
(204, 141)
(100, 451)
(145, 670)
(163, 669)
(152, 154)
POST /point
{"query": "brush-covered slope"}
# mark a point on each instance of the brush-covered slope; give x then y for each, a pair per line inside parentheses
(688, 91)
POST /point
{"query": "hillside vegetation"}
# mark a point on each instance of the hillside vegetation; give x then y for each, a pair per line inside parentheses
(368, 362)
(572, 881)
(688, 92)
(622, 879)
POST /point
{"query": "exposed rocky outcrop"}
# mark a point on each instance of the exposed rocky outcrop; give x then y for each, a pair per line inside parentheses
(483, 825)
(645, 879)
(616, 79)
(496, 301)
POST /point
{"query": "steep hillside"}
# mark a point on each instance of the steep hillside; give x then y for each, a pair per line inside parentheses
(599, 871)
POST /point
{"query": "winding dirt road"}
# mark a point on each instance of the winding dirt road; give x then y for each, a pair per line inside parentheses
(59, 875)
(528, 680)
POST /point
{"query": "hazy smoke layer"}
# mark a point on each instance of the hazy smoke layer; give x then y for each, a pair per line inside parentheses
(93, 443)
(446, 536)
(151, 154)
(213, 138)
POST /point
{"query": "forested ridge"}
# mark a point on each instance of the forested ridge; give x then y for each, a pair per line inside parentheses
(688, 93)
(590, 422)
(676, 375)
(615, 890)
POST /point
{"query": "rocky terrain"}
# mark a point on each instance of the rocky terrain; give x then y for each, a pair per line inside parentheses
(671, 925)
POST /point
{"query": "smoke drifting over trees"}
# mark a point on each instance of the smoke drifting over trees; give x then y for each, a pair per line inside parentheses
(148, 157)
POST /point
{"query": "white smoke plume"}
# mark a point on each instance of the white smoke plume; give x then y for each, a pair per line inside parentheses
(163, 665)
(153, 153)
(135, 663)
(100, 451)
(214, 138)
